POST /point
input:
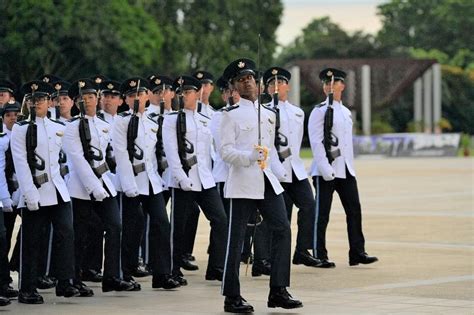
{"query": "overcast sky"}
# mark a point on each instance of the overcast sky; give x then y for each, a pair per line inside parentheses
(350, 15)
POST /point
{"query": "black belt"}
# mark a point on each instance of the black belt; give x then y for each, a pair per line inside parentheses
(138, 168)
(284, 154)
(336, 153)
(163, 164)
(12, 185)
(40, 179)
(100, 170)
(191, 161)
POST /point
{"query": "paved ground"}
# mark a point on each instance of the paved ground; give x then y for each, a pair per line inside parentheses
(418, 219)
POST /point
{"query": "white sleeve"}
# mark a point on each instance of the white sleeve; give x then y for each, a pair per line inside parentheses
(227, 149)
(119, 144)
(4, 193)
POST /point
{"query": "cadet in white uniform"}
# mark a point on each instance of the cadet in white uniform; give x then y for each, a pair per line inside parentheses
(339, 175)
(188, 151)
(252, 184)
(135, 151)
(91, 187)
(288, 143)
(44, 196)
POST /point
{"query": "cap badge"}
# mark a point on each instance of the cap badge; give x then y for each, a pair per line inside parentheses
(110, 86)
(329, 73)
(133, 83)
(57, 87)
(98, 80)
(34, 87)
(241, 64)
(199, 75)
(46, 79)
(82, 84)
(180, 81)
(157, 81)
(275, 71)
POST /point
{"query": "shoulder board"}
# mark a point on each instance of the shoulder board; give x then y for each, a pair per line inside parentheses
(173, 113)
(22, 123)
(101, 117)
(151, 118)
(74, 118)
(58, 122)
(321, 104)
(229, 108)
(124, 114)
(204, 115)
(153, 115)
(2, 134)
(269, 108)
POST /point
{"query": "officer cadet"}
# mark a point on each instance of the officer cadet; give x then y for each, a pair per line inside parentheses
(51, 79)
(6, 291)
(7, 89)
(91, 188)
(207, 86)
(339, 175)
(110, 100)
(246, 142)
(297, 187)
(191, 177)
(44, 196)
(161, 92)
(137, 168)
(61, 100)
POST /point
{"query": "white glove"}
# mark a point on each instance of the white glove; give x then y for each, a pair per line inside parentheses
(131, 193)
(254, 155)
(33, 206)
(186, 184)
(100, 194)
(7, 205)
(329, 177)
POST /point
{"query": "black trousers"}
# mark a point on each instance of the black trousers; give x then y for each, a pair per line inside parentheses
(62, 260)
(4, 268)
(158, 237)
(272, 208)
(299, 193)
(94, 250)
(349, 195)
(9, 221)
(192, 221)
(210, 203)
(109, 217)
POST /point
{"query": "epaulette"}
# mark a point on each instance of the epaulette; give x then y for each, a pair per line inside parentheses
(58, 122)
(22, 123)
(151, 118)
(204, 115)
(320, 104)
(101, 117)
(269, 108)
(229, 108)
(2, 134)
(74, 118)
(173, 113)
(153, 115)
(124, 114)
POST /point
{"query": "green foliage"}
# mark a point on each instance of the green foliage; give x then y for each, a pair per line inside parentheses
(380, 126)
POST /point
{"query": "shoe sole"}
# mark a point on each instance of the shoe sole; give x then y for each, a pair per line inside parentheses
(273, 305)
(229, 310)
(69, 296)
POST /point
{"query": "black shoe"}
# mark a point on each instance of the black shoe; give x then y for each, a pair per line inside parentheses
(115, 284)
(136, 285)
(140, 272)
(305, 258)
(214, 274)
(189, 257)
(279, 297)
(7, 291)
(237, 304)
(4, 301)
(324, 263)
(84, 290)
(187, 265)
(261, 267)
(164, 282)
(30, 297)
(66, 289)
(91, 275)
(44, 283)
(363, 258)
(178, 277)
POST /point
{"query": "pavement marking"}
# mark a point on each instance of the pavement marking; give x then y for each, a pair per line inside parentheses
(409, 284)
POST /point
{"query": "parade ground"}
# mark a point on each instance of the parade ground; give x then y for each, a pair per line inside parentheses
(418, 216)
